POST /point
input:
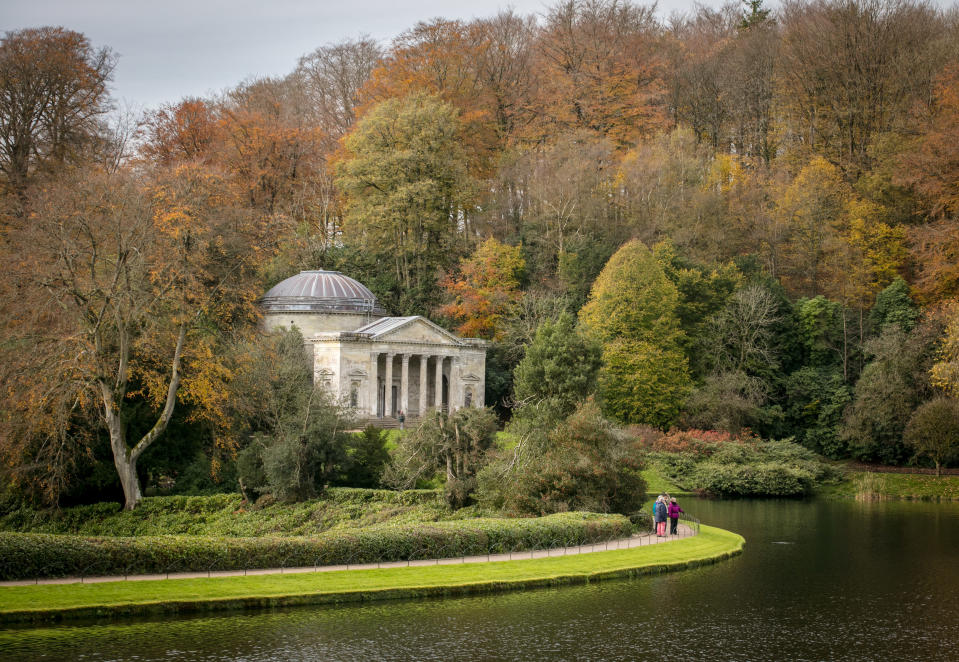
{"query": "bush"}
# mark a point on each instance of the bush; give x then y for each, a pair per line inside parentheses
(456, 443)
(587, 464)
(230, 515)
(30, 555)
(718, 465)
(367, 458)
(641, 520)
(700, 443)
(772, 479)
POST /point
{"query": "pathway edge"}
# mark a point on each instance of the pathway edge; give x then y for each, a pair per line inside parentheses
(126, 610)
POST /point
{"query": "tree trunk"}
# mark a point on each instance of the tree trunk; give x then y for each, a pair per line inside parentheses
(124, 457)
(127, 470)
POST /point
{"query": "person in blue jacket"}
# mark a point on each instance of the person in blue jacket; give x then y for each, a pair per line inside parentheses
(659, 516)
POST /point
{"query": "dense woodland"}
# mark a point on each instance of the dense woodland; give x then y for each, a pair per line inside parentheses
(731, 219)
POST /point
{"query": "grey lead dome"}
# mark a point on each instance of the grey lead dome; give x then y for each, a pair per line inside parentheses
(321, 291)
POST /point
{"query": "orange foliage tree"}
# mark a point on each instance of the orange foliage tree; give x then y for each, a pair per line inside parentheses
(598, 69)
(53, 96)
(485, 290)
(130, 281)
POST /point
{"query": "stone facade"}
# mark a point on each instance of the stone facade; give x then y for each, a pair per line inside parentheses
(374, 364)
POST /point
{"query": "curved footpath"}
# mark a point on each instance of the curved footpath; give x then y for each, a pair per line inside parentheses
(192, 592)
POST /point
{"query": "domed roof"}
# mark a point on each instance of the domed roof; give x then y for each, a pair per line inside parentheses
(322, 292)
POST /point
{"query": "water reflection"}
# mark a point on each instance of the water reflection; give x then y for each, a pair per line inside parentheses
(854, 582)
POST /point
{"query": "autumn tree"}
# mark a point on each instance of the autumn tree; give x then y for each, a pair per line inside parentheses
(566, 191)
(180, 132)
(669, 192)
(598, 70)
(849, 70)
(748, 84)
(945, 371)
(485, 289)
(812, 209)
(696, 75)
(53, 98)
(332, 76)
(632, 313)
(505, 70)
(129, 283)
(931, 167)
(408, 195)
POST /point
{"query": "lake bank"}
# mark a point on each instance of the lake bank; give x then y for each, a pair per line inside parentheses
(124, 599)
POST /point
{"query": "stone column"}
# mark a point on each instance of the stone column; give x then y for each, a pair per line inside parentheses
(438, 396)
(424, 361)
(388, 391)
(374, 384)
(405, 384)
(456, 397)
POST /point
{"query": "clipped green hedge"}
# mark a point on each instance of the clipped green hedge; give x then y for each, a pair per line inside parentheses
(32, 555)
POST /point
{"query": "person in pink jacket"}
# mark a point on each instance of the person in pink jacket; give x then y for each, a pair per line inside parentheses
(674, 511)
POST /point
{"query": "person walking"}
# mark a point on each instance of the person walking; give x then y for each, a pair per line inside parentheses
(673, 511)
(659, 516)
(402, 419)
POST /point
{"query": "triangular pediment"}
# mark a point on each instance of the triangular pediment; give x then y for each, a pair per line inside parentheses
(414, 329)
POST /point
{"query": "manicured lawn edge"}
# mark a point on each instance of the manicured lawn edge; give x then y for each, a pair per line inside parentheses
(873, 486)
(126, 599)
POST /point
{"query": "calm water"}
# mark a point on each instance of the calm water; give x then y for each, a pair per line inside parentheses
(818, 581)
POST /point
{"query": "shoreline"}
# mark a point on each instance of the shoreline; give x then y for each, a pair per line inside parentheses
(121, 600)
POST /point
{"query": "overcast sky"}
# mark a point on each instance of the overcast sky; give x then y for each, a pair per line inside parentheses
(170, 49)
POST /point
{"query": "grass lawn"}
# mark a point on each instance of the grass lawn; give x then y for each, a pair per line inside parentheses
(656, 484)
(46, 602)
(877, 485)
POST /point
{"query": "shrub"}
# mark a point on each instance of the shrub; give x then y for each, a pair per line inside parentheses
(641, 520)
(588, 464)
(29, 555)
(457, 443)
(367, 458)
(230, 515)
(774, 479)
(700, 443)
(745, 467)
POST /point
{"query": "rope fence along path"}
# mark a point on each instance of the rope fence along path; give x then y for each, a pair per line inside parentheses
(688, 526)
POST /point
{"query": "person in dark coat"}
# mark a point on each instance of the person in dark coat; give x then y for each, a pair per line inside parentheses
(673, 511)
(659, 516)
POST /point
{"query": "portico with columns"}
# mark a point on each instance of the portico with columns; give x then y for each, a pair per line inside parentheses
(399, 364)
(377, 365)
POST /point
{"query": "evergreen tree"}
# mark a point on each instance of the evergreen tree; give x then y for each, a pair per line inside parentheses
(894, 305)
(560, 366)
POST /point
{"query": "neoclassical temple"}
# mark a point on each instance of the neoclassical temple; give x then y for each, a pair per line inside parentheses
(375, 364)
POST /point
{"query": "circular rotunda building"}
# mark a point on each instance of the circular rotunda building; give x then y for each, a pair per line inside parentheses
(316, 301)
(375, 364)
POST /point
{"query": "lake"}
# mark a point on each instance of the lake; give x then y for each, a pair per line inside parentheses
(819, 580)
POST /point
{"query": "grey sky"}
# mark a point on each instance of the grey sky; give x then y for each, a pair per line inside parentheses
(170, 49)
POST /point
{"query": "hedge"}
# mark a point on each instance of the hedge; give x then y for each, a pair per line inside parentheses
(35, 555)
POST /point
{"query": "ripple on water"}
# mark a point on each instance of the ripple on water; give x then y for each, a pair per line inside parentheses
(852, 583)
